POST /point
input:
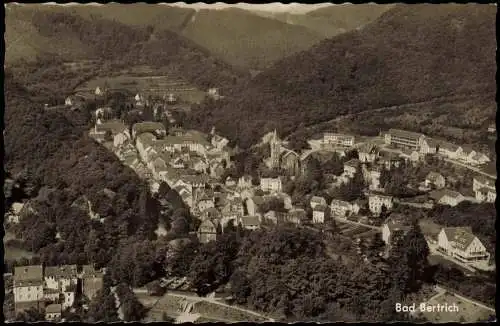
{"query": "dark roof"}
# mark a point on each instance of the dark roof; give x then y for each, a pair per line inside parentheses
(354, 163)
(53, 308)
(250, 220)
(61, 271)
(461, 236)
(28, 273)
(438, 194)
(404, 133)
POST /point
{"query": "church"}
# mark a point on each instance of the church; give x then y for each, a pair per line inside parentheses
(282, 157)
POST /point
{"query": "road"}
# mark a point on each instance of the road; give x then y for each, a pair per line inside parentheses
(472, 168)
(119, 309)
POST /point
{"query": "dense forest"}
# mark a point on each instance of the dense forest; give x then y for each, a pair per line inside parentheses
(112, 46)
(410, 54)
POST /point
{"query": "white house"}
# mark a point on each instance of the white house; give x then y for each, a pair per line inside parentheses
(319, 212)
(393, 227)
(245, 182)
(368, 153)
(15, 213)
(219, 142)
(447, 197)
(377, 201)
(317, 200)
(350, 167)
(121, 138)
(53, 312)
(98, 91)
(428, 146)
(450, 150)
(435, 179)
(338, 139)
(60, 277)
(484, 189)
(342, 208)
(28, 284)
(460, 243)
(271, 184)
(205, 202)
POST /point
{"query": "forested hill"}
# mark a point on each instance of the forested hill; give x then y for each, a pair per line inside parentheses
(73, 37)
(410, 54)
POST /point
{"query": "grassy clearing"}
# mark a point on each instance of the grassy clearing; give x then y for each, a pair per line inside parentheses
(468, 312)
(217, 312)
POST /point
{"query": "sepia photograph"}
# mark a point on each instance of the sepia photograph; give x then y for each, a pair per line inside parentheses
(260, 163)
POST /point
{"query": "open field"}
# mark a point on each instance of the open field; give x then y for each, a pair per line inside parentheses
(468, 312)
(147, 82)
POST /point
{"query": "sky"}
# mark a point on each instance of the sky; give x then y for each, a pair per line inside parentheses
(273, 7)
(293, 7)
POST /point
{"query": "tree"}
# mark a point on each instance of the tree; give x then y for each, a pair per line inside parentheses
(103, 308)
(417, 253)
(30, 315)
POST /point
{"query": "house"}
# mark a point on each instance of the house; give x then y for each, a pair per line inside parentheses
(319, 214)
(28, 287)
(15, 213)
(338, 139)
(447, 197)
(53, 312)
(271, 184)
(450, 150)
(253, 205)
(155, 128)
(343, 209)
(219, 142)
(272, 216)
(213, 92)
(111, 127)
(230, 182)
(98, 91)
(484, 189)
(178, 163)
(410, 155)
(404, 139)
(478, 159)
(207, 231)
(368, 153)
(92, 281)
(245, 182)
(290, 162)
(211, 213)
(250, 222)
(435, 179)
(393, 227)
(429, 146)
(205, 202)
(492, 128)
(295, 216)
(377, 201)
(287, 200)
(461, 244)
(121, 138)
(60, 277)
(372, 176)
(389, 160)
(351, 167)
(316, 200)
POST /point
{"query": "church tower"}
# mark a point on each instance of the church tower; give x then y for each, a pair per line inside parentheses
(275, 145)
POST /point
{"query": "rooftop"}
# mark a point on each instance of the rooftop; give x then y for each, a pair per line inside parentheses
(53, 308)
(438, 194)
(405, 133)
(28, 273)
(250, 220)
(338, 202)
(461, 236)
(147, 126)
(114, 126)
(61, 271)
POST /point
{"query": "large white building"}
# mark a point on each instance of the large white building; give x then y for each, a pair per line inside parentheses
(404, 139)
(377, 201)
(28, 287)
(338, 139)
(271, 184)
(460, 243)
(484, 189)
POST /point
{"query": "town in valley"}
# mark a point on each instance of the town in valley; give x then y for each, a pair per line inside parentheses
(142, 209)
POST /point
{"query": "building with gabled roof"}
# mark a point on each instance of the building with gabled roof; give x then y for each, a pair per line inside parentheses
(207, 231)
(250, 222)
(368, 153)
(28, 287)
(435, 179)
(394, 226)
(155, 128)
(319, 214)
(317, 200)
(53, 312)
(60, 277)
(447, 197)
(461, 244)
(376, 201)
